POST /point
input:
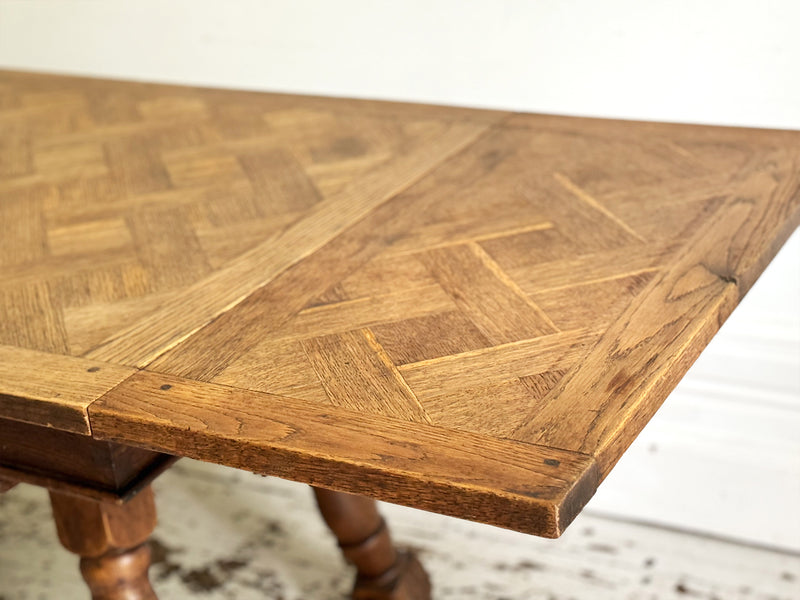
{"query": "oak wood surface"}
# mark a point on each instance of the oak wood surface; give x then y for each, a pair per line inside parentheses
(503, 482)
(411, 302)
(53, 390)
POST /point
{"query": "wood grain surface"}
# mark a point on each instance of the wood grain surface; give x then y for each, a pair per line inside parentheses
(511, 484)
(53, 390)
(344, 292)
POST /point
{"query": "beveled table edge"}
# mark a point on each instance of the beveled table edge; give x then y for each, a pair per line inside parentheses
(517, 485)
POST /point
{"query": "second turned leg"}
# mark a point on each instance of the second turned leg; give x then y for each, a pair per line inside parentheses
(383, 572)
(111, 540)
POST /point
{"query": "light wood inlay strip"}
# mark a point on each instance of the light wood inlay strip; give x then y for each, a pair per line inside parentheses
(588, 268)
(569, 185)
(471, 238)
(478, 368)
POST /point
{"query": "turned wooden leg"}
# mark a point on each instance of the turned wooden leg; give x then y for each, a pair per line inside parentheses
(111, 540)
(383, 572)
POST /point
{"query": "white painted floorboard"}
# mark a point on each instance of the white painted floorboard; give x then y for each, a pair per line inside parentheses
(225, 534)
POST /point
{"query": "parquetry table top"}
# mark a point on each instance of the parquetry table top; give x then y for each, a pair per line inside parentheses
(472, 312)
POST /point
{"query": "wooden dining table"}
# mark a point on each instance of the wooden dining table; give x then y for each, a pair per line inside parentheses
(472, 312)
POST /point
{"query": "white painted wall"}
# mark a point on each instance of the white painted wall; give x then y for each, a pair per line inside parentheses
(723, 455)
